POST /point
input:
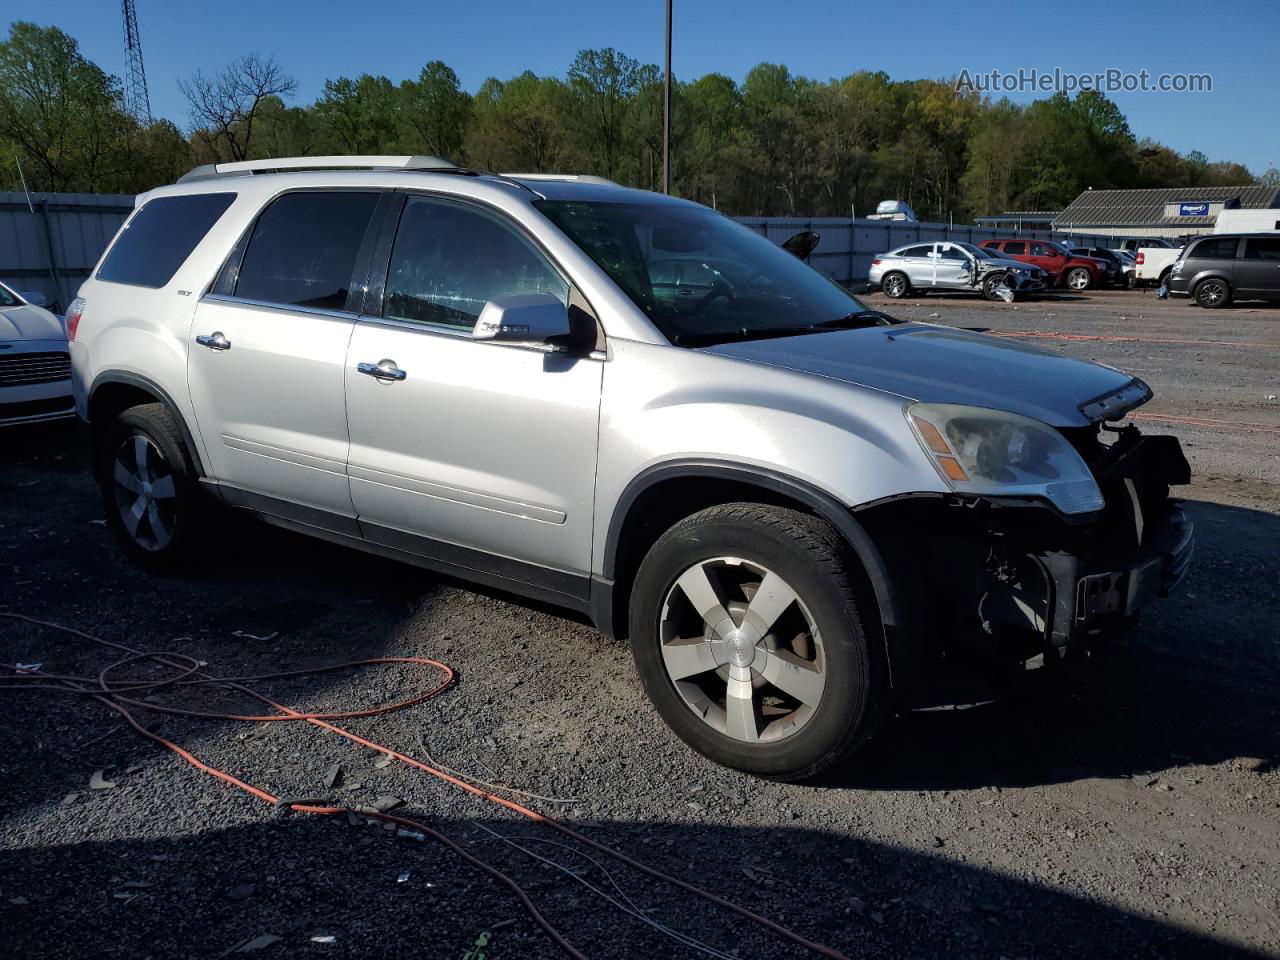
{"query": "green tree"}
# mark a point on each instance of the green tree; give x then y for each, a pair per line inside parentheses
(523, 124)
(434, 111)
(359, 116)
(61, 112)
(604, 82)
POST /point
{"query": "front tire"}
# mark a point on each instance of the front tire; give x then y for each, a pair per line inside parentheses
(751, 628)
(150, 490)
(992, 284)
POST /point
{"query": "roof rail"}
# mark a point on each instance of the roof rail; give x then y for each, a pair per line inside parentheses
(275, 164)
(574, 177)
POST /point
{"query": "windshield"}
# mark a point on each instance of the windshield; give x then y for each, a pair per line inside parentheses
(700, 277)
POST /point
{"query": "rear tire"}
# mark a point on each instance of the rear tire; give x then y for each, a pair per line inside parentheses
(896, 285)
(789, 602)
(150, 489)
(1213, 293)
(1078, 278)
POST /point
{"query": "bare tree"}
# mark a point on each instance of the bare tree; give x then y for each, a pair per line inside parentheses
(224, 106)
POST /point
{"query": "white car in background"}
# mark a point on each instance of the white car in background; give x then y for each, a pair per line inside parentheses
(35, 369)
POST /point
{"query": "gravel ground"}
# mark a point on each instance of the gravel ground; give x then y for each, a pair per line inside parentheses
(1132, 814)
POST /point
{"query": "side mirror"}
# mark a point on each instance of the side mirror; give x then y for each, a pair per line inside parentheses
(34, 297)
(525, 318)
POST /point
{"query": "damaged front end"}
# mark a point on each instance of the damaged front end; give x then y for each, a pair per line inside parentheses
(1002, 584)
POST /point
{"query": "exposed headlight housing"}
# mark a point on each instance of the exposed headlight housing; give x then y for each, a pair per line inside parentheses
(983, 451)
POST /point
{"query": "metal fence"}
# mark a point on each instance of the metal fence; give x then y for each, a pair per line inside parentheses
(847, 247)
(50, 241)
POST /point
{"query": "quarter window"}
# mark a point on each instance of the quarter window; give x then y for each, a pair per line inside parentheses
(1262, 248)
(450, 259)
(159, 238)
(303, 249)
(1220, 248)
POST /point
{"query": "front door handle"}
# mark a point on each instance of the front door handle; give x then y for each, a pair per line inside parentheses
(382, 370)
(214, 341)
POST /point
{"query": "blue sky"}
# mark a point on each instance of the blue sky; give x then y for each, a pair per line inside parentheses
(315, 40)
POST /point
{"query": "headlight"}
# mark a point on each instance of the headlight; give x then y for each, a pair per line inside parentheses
(993, 452)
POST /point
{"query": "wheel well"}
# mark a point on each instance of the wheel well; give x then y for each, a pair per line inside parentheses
(108, 400)
(111, 399)
(662, 505)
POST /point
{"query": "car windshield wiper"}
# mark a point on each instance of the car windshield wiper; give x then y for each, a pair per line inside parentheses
(710, 337)
(859, 318)
(850, 321)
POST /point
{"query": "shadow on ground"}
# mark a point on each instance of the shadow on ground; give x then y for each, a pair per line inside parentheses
(302, 877)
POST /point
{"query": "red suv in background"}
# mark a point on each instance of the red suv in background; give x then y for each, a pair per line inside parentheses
(1065, 269)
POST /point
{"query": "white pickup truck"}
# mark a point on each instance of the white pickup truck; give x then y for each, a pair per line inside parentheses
(1154, 263)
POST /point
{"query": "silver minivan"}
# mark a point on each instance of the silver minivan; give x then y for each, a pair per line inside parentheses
(801, 512)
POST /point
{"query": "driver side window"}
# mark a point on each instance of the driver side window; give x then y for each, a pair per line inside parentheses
(450, 259)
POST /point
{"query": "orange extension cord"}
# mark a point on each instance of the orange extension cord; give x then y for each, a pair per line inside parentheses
(111, 694)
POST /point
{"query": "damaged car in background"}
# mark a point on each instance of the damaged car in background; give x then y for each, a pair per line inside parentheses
(801, 512)
(920, 267)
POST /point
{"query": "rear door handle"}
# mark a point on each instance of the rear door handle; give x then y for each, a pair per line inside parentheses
(214, 341)
(382, 370)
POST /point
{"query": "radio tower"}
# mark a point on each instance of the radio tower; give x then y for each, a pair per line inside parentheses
(136, 99)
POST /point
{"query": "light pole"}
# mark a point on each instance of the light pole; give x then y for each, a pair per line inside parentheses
(666, 112)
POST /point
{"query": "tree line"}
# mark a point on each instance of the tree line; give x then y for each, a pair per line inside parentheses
(775, 144)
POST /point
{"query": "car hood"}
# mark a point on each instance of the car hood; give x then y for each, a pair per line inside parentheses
(942, 365)
(29, 322)
(1002, 263)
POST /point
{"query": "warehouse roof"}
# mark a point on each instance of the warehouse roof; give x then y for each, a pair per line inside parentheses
(1146, 208)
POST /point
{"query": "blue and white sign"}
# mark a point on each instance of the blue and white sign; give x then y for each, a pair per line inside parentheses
(1193, 209)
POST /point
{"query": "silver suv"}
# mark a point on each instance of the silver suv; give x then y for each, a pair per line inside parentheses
(796, 508)
(920, 267)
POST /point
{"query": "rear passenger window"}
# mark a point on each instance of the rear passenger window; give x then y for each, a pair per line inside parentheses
(449, 259)
(1015, 247)
(922, 251)
(160, 237)
(1222, 248)
(1262, 248)
(303, 249)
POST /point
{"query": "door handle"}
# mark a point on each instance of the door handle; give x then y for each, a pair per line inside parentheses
(382, 370)
(214, 341)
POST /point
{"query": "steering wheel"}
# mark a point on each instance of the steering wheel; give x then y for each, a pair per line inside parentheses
(720, 287)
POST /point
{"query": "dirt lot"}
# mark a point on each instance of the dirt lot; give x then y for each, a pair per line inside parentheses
(1134, 814)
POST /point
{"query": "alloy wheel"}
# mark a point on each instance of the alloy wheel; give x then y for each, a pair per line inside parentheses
(1078, 279)
(742, 650)
(1211, 293)
(895, 286)
(145, 493)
